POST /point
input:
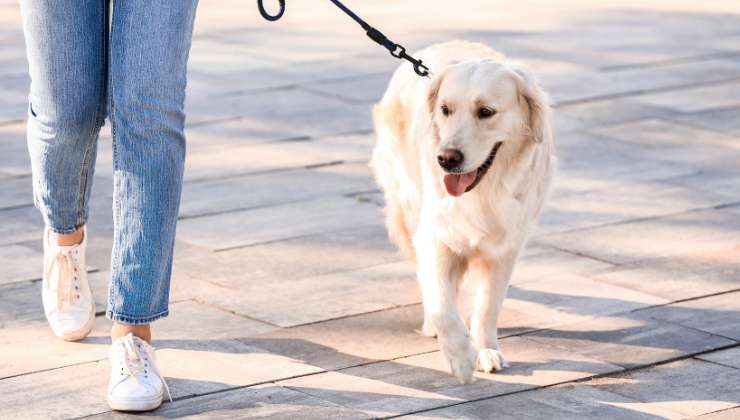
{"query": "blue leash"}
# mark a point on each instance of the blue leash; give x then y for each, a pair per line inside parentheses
(396, 50)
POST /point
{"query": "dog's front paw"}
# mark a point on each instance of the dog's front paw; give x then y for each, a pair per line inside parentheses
(462, 361)
(427, 329)
(490, 360)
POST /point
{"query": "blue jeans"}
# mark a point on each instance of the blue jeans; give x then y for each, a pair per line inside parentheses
(131, 69)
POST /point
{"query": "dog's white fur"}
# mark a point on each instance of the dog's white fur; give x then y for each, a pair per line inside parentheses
(476, 236)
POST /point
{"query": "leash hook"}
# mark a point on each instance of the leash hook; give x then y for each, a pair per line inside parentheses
(419, 67)
(271, 18)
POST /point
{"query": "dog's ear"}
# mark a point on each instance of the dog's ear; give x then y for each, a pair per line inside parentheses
(538, 103)
(434, 92)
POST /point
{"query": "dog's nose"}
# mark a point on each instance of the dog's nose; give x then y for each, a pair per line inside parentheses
(450, 159)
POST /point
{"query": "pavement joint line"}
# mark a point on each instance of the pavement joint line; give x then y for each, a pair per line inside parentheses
(667, 120)
(228, 311)
(335, 96)
(268, 205)
(689, 123)
(667, 62)
(205, 123)
(255, 207)
(16, 207)
(722, 410)
(639, 92)
(717, 363)
(673, 180)
(34, 279)
(659, 305)
(337, 318)
(302, 84)
(272, 241)
(639, 220)
(8, 176)
(271, 171)
(85, 362)
(582, 254)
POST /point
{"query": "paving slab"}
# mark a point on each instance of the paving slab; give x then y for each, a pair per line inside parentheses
(32, 347)
(725, 120)
(715, 314)
(697, 99)
(712, 387)
(729, 357)
(292, 220)
(624, 203)
(21, 302)
(630, 81)
(313, 299)
(566, 402)
(54, 395)
(214, 330)
(237, 160)
(630, 340)
(593, 114)
(20, 225)
(723, 182)
(680, 277)
(291, 259)
(19, 263)
(708, 230)
(570, 298)
(269, 189)
(15, 150)
(730, 414)
(351, 341)
(675, 142)
(550, 263)
(15, 192)
(423, 381)
(590, 162)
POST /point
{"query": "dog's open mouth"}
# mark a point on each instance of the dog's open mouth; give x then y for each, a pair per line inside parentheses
(458, 184)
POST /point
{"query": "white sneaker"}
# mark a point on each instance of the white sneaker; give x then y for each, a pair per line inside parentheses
(135, 382)
(68, 300)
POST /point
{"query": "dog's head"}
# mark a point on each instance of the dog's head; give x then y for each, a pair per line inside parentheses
(479, 107)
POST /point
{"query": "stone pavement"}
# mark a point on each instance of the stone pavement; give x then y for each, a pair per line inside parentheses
(289, 302)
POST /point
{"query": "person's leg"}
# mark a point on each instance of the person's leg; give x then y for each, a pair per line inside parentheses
(150, 43)
(66, 50)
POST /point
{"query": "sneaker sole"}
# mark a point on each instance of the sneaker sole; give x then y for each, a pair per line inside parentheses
(124, 404)
(82, 332)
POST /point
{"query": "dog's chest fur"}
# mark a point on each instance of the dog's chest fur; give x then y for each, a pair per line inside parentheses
(474, 223)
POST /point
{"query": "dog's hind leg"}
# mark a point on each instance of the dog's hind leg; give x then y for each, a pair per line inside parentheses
(439, 272)
(492, 278)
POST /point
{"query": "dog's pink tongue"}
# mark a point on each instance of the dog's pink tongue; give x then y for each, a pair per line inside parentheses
(457, 184)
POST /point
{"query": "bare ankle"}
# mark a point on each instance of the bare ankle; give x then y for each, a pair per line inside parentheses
(119, 330)
(66, 239)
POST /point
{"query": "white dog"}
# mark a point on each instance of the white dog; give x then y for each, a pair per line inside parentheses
(466, 161)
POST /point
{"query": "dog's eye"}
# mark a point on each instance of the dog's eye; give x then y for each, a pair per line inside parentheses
(445, 110)
(486, 112)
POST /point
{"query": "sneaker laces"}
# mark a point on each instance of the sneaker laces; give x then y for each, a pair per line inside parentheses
(66, 264)
(134, 364)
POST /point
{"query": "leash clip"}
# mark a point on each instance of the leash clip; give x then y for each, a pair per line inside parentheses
(419, 68)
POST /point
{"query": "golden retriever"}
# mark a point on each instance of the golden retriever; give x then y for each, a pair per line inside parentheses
(465, 160)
